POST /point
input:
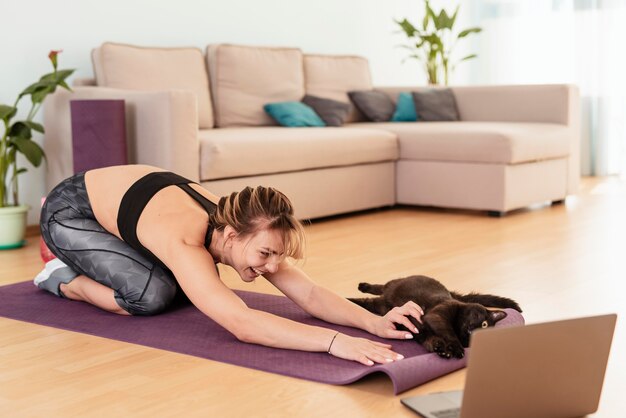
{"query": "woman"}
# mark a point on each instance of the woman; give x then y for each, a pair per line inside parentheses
(127, 237)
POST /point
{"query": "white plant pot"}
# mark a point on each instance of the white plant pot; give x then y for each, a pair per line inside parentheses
(12, 226)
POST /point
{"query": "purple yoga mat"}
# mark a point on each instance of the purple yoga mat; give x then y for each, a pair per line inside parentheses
(184, 329)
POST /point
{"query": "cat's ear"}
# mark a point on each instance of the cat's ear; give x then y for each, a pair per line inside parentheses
(497, 315)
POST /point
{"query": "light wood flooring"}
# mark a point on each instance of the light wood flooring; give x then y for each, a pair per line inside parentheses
(558, 261)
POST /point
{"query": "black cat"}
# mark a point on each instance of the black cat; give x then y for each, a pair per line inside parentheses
(449, 318)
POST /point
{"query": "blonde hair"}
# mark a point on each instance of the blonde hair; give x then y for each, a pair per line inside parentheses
(252, 210)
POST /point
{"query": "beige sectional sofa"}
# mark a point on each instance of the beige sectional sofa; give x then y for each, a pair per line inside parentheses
(201, 115)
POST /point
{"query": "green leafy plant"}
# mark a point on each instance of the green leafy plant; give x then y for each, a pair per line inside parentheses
(17, 136)
(434, 42)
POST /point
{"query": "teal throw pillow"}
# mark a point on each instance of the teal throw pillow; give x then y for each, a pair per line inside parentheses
(405, 109)
(293, 114)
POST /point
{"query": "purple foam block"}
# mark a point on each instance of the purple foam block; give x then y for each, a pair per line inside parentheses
(184, 329)
(98, 133)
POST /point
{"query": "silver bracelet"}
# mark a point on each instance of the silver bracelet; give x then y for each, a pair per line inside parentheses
(332, 341)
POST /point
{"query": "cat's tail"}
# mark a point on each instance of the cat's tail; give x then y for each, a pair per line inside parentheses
(374, 305)
(490, 301)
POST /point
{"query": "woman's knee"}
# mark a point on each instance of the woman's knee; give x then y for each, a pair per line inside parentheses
(158, 294)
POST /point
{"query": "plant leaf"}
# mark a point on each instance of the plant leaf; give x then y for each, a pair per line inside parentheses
(65, 86)
(58, 75)
(39, 95)
(425, 20)
(434, 40)
(407, 27)
(30, 149)
(415, 56)
(442, 20)
(7, 112)
(63, 74)
(20, 130)
(453, 18)
(35, 87)
(34, 126)
(466, 32)
(469, 57)
(430, 13)
(47, 77)
(11, 156)
(47, 84)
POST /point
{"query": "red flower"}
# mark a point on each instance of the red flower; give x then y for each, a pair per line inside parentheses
(53, 57)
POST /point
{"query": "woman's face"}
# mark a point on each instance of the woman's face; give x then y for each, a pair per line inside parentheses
(257, 254)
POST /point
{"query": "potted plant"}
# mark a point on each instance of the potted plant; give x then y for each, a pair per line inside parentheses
(17, 138)
(434, 42)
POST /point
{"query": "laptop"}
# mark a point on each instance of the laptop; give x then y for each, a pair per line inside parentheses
(553, 369)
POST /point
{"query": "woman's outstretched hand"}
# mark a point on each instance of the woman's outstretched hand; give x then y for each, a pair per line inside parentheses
(362, 350)
(384, 326)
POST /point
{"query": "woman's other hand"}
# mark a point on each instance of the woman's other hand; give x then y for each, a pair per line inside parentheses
(385, 326)
(362, 350)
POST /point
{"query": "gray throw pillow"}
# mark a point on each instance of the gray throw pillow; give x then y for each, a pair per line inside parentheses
(332, 112)
(436, 104)
(375, 105)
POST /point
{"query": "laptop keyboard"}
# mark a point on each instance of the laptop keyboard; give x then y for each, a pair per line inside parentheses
(447, 413)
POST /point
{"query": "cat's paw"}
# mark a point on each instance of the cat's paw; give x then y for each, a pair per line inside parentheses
(447, 349)
(456, 349)
(439, 347)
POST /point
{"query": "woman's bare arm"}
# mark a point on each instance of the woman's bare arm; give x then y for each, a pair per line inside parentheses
(197, 276)
(324, 304)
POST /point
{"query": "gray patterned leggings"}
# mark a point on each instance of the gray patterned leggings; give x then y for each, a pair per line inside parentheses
(70, 229)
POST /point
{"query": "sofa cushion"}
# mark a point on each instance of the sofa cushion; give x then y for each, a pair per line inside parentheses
(236, 152)
(244, 78)
(293, 114)
(139, 68)
(333, 76)
(436, 105)
(375, 105)
(405, 108)
(332, 112)
(482, 142)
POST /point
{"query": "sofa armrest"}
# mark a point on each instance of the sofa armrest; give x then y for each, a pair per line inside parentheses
(84, 82)
(161, 130)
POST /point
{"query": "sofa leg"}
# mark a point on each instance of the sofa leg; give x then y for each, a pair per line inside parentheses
(496, 213)
(558, 202)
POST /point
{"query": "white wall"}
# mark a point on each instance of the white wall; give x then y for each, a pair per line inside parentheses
(31, 28)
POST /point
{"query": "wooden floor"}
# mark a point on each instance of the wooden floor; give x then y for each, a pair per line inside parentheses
(558, 261)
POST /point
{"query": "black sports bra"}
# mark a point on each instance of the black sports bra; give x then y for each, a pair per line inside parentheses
(137, 197)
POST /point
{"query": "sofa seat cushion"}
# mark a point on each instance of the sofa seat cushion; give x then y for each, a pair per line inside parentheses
(482, 142)
(245, 151)
(142, 68)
